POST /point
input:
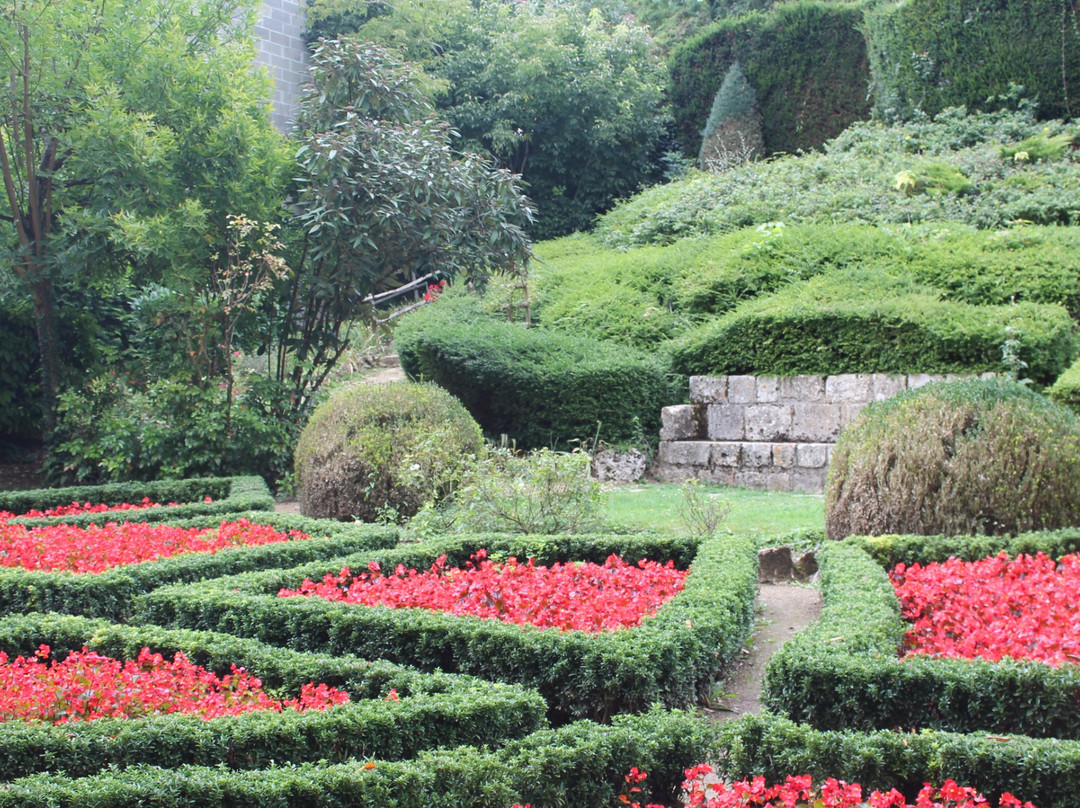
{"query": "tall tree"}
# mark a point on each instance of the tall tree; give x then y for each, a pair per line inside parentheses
(129, 131)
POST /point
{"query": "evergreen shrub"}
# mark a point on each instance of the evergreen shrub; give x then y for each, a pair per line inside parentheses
(806, 60)
(926, 55)
(973, 457)
(670, 659)
(845, 671)
(863, 321)
(732, 134)
(372, 451)
(1066, 388)
(536, 386)
(432, 710)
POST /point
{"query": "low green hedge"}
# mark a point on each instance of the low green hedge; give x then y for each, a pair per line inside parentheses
(581, 765)
(860, 321)
(1066, 389)
(229, 494)
(845, 672)
(433, 709)
(110, 593)
(671, 658)
(538, 387)
(1044, 771)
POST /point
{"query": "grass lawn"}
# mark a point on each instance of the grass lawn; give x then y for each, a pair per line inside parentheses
(657, 506)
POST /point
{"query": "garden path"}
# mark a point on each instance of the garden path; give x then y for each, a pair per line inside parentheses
(785, 609)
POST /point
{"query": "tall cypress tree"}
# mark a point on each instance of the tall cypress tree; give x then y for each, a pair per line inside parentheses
(732, 134)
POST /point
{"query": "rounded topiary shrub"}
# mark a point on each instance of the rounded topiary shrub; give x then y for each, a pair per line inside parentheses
(956, 458)
(377, 450)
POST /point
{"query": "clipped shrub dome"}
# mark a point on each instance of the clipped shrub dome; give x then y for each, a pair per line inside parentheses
(956, 458)
(378, 449)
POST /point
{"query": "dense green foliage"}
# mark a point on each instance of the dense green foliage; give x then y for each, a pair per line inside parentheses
(670, 659)
(372, 451)
(1066, 389)
(854, 179)
(568, 99)
(806, 60)
(860, 321)
(432, 710)
(732, 133)
(926, 55)
(1041, 770)
(581, 765)
(229, 495)
(845, 672)
(536, 386)
(971, 457)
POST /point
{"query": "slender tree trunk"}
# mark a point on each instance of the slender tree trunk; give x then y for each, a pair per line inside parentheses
(48, 348)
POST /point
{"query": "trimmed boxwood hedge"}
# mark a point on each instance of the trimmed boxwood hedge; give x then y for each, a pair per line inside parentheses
(230, 495)
(433, 709)
(111, 593)
(538, 387)
(858, 321)
(1044, 771)
(671, 658)
(845, 672)
(581, 765)
(1066, 389)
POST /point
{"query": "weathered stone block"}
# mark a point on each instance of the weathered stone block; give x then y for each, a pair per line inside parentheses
(666, 473)
(708, 389)
(685, 453)
(717, 476)
(815, 422)
(811, 455)
(768, 389)
(888, 385)
(751, 479)
(683, 422)
(802, 388)
(779, 481)
(757, 455)
(619, 467)
(849, 411)
(775, 565)
(727, 454)
(742, 389)
(846, 387)
(810, 480)
(783, 455)
(768, 421)
(725, 422)
(916, 380)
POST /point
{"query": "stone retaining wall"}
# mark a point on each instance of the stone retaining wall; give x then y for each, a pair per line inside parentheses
(769, 432)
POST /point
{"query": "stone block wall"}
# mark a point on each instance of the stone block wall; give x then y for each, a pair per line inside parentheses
(768, 432)
(281, 50)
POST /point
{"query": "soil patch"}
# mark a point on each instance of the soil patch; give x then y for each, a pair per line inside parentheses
(783, 611)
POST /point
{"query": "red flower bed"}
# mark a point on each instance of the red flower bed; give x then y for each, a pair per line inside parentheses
(87, 685)
(703, 789)
(1025, 608)
(77, 509)
(585, 597)
(98, 548)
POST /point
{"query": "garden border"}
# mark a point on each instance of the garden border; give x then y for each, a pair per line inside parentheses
(433, 710)
(111, 593)
(671, 658)
(844, 672)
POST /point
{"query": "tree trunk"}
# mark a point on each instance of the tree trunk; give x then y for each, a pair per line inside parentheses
(48, 348)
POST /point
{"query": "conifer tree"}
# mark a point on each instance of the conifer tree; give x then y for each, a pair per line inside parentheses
(732, 133)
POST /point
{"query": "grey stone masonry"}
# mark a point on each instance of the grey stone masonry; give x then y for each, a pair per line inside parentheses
(769, 432)
(280, 49)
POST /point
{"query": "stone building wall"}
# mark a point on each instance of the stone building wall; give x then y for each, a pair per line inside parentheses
(768, 432)
(281, 50)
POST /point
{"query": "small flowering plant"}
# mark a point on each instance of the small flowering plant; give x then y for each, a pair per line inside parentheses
(86, 686)
(584, 597)
(1022, 608)
(80, 508)
(95, 548)
(702, 789)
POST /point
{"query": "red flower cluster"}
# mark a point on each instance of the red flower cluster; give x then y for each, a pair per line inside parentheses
(98, 548)
(585, 597)
(88, 685)
(434, 290)
(77, 509)
(1025, 608)
(703, 789)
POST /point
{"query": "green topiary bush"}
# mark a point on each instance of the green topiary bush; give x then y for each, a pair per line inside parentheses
(377, 451)
(732, 135)
(975, 457)
(1066, 390)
